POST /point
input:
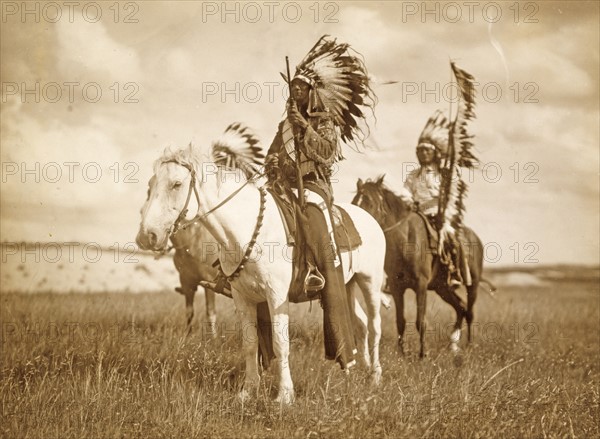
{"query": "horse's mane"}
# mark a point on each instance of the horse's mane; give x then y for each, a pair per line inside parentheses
(190, 156)
(386, 200)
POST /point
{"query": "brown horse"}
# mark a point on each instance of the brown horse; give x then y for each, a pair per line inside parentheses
(410, 262)
(193, 267)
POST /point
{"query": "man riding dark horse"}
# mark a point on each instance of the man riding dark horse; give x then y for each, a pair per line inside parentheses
(300, 158)
(422, 191)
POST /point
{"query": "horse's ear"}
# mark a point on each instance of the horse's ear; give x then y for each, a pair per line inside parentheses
(379, 181)
(359, 184)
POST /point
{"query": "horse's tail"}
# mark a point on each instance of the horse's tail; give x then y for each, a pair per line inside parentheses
(492, 288)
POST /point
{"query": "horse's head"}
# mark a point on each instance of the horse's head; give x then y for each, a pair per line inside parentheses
(177, 188)
(170, 195)
(379, 201)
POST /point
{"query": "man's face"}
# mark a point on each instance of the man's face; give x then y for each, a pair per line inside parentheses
(426, 156)
(300, 91)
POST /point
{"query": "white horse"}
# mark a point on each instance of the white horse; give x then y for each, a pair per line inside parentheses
(236, 148)
(241, 215)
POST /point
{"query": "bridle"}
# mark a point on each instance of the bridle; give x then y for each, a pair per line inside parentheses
(184, 211)
(182, 224)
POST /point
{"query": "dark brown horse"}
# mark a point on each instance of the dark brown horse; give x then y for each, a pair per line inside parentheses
(411, 263)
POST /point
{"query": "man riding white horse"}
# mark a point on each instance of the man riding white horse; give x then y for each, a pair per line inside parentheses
(325, 91)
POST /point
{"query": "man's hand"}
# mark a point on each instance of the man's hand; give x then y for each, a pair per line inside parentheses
(295, 117)
(272, 167)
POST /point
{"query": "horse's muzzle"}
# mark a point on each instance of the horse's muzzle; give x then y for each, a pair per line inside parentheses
(149, 240)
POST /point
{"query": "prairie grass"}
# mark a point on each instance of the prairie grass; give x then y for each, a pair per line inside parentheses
(120, 366)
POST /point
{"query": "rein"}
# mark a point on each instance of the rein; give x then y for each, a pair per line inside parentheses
(177, 226)
(257, 227)
(393, 226)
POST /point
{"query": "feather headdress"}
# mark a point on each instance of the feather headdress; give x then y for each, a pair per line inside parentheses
(238, 148)
(435, 133)
(340, 85)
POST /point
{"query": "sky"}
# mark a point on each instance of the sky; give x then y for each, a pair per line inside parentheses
(93, 93)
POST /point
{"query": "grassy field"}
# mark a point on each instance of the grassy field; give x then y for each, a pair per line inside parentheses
(119, 365)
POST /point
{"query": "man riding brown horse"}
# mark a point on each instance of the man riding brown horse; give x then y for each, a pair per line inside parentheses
(422, 191)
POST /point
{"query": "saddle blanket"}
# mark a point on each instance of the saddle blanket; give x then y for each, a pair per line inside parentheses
(346, 236)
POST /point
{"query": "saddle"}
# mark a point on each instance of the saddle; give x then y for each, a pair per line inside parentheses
(433, 237)
(345, 233)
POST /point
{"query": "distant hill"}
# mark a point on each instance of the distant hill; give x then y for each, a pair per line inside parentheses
(50, 267)
(550, 273)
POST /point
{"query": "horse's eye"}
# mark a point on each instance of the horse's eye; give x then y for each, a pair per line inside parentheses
(177, 185)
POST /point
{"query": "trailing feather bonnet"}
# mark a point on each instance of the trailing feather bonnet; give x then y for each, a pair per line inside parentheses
(454, 145)
(340, 86)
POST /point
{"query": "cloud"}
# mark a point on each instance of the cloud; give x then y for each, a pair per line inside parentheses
(88, 53)
(171, 54)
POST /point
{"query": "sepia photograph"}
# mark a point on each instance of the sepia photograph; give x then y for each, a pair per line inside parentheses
(299, 219)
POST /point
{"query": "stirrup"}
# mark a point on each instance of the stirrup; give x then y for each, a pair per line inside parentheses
(314, 280)
(219, 285)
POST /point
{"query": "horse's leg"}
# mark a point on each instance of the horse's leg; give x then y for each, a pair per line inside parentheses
(371, 288)
(188, 290)
(360, 326)
(211, 312)
(189, 307)
(449, 295)
(281, 348)
(246, 312)
(398, 295)
(421, 291)
(471, 298)
(474, 258)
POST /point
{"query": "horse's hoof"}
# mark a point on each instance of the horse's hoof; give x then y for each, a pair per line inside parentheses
(401, 348)
(454, 348)
(458, 360)
(376, 376)
(247, 395)
(455, 336)
(212, 331)
(365, 362)
(285, 397)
